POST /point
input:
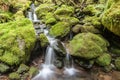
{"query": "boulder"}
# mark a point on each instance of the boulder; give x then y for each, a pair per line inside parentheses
(14, 76)
(117, 63)
(17, 41)
(60, 29)
(104, 59)
(110, 18)
(4, 68)
(87, 45)
(43, 40)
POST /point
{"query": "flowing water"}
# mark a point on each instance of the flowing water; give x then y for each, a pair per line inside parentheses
(47, 70)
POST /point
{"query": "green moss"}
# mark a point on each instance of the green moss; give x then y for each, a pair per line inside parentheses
(90, 10)
(110, 18)
(104, 60)
(87, 45)
(60, 29)
(3, 68)
(14, 76)
(22, 68)
(43, 9)
(33, 71)
(50, 19)
(17, 40)
(64, 10)
(76, 28)
(117, 63)
(43, 40)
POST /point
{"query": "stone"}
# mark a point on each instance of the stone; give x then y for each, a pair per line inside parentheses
(17, 40)
(4, 68)
(14, 76)
(33, 71)
(117, 63)
(87, 45)
(104, 60)
(22, 68)
(60, 29)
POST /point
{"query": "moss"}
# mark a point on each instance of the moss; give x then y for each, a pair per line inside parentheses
(104, 60)
(110, 18)
(33, 71)
(64, 10)
(60, 29)
(43, 40)
(87, 45)
(14, 76)
(43, 9)
(90, 10)
(22, 68)
(50, 19)
(117, 63)
(17, 40)
(115, 50)
(76, 28)
(3, 68)
(18, 15)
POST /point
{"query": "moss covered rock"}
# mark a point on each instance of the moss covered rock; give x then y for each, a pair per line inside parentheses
(33, 71)
(16, 41)
(22, 68)
(5, 17)
(117, 63)
(104, 59)
(43, 9)
(43, 40)
(3, 68)
(14, 76)
(111, 16)
(60, 29)
(50, 19)
(87, 45)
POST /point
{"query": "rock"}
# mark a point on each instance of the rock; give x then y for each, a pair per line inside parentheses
(50, 19)
(5, 17)
(43, 40)
(59, 64)
(58, 47)
(104, 60)
(89, 28)
(22, 69)
(3, 68)
(14, 76)
(115, 51)
(60, 29)
(87, 45)
(117, 63)
(43, 9)
(76, 28)
(110, 18)
(64, 10)
(17, 40)
(33, 71)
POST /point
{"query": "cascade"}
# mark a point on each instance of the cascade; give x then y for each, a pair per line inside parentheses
(47, 71)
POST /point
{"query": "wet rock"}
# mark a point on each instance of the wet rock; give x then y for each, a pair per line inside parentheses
(87, 45)
(4, 68)
(58, 63)
(59, 48)
(110, 18)
(117, 63)
(43, 40)
(14, 76)
(22, 69)
(17, 40)
(60, 29)
(104, 60)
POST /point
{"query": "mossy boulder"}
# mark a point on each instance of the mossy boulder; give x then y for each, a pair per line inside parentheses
(110, 18)
(43, 9)
(22, 68)
(5, 17)
(64, 10)
(50, 19)
(4, 68)
(117, 63)
(14, 76)
(60, 29)
(87, 45)
(33, 71)
(104, 59)
(16, 41)
(43, 40)
(76, 28)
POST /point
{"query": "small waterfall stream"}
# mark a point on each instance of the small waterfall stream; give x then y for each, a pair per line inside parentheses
(47, 71)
